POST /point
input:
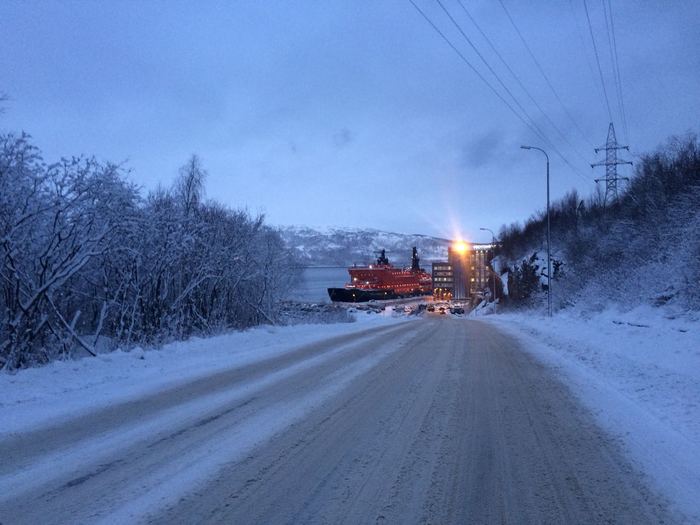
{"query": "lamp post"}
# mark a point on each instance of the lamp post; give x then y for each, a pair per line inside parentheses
(549, 258)
(493, 270)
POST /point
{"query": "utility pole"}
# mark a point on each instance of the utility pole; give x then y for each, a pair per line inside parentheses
(611, 162)
(549, 237)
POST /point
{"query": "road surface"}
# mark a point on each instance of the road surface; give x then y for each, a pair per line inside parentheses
(432, 421)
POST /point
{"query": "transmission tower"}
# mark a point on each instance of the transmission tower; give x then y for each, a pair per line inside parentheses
(611, 162)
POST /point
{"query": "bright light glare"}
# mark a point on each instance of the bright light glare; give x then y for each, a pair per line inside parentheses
(460, 247)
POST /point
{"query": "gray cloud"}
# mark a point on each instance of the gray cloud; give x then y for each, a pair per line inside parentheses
(342, 138)
(483, 150)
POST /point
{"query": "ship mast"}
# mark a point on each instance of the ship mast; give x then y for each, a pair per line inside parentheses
(415, 261)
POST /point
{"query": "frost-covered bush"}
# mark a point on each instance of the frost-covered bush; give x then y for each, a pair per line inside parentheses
(85, 258)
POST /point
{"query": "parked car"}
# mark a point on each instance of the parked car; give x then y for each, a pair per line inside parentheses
(431, 308)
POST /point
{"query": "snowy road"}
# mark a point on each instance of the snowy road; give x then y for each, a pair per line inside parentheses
(437, 420)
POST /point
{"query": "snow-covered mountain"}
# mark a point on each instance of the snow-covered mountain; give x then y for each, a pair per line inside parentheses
(347, 246)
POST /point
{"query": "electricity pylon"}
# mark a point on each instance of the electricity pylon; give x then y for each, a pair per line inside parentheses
(611, 162)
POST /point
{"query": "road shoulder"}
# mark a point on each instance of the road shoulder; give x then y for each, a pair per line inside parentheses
(639, 394)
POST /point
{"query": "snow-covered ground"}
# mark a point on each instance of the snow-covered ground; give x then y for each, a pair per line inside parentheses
(639, 373)
(38, 396)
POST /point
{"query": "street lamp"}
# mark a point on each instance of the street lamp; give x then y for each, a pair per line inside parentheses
(549, 258)
(493, 270)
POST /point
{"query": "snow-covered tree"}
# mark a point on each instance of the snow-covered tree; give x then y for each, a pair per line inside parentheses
(84, 259)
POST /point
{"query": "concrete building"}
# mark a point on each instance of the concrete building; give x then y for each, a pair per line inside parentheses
(459, 258)
(480, 266)
(443, 280)
(465, 273)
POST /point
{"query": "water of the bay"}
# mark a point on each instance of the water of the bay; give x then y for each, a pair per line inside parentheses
(314, 283)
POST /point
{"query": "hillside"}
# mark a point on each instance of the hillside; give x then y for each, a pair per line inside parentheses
(642, 250)
(346, 246)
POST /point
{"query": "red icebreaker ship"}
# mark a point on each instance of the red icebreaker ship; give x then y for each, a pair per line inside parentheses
(383, 281)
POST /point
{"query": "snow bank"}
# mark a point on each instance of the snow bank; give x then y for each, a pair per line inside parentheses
(38, 396)
(639, 373)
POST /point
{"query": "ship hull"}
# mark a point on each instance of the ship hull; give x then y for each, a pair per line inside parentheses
(359, 295)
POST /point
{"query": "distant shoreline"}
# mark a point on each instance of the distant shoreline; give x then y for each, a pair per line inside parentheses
(303, 267)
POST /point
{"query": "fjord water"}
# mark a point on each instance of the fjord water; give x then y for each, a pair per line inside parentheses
(314, 282)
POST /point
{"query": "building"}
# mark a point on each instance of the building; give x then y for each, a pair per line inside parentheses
(443, 280)
(480, 267)
(458, 257)
(465, 273)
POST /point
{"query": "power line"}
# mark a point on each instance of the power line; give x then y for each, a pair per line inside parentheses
(597, 59)
(520, 83)
(541, 133)
(488, 66)
(491, 87)
(584, 46)
(612, 58)
(542, 72)
(617, 71)
(469, 64)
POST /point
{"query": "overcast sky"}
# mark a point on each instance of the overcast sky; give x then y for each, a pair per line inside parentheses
(348, 113)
